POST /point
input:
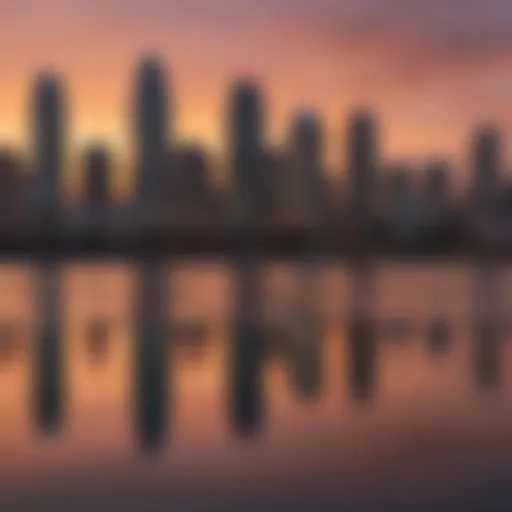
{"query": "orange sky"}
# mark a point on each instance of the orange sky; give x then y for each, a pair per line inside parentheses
(430, 73)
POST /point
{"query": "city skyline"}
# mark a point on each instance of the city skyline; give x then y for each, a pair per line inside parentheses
(271, 193)
(419, 121)
(335, 161)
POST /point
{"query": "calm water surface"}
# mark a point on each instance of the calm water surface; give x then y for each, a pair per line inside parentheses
(251, 385)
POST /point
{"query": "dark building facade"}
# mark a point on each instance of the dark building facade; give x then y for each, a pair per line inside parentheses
(49, 146)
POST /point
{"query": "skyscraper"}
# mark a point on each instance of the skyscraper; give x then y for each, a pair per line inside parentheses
(246, 151)
(150, 132)
(306, 164)
(191, 193)
(48, 141)
(437, 182)
(362, 161)
(486, 163)
(436, 192)
(401, 202)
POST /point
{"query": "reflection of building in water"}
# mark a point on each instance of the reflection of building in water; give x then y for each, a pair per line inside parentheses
(362, 353)
(303, 350)
(48, 371)
(150, 357)
(247, 347)
(304, 354)
(97, 340)
(486, 351)
(362, 350)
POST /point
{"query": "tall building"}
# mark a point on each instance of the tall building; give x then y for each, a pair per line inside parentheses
(97, 180)
(191, 193)
(246, 151)
(275, 170)
(436, 191)
(307, 183)
(362, 162)
(48, 141)
(401, 202)
(437, 184)
(150, 132)
(486, 165)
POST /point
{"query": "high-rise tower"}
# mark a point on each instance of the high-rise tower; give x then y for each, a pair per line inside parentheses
(305, 146)
(486, 165)
(246, 150)
(48, 142)
(150, 132)
(362, 166)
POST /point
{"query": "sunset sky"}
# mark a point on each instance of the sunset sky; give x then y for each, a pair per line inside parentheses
(430, 70)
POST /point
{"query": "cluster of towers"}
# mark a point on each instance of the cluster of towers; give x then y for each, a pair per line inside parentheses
(266, 187)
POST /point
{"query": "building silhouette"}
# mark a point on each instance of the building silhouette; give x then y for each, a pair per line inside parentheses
(401, 204)
(362, 167)
(151, 137)
(279, 193)
(306, 153)
(437, 187)
(49, 132)
(14, 212)
(246, 152)
(276, 172)
(486, 160)
(191, 194)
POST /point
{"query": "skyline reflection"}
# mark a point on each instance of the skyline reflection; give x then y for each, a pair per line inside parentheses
(307, 360)
(294, 340)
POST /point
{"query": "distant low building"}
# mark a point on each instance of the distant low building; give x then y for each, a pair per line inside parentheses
(14, 213)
